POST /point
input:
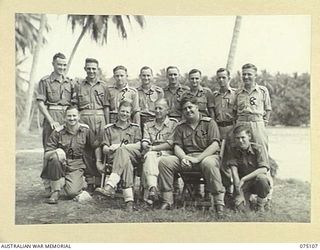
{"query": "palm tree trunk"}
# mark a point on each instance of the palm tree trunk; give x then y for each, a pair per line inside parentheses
(84, 30)
(24, 125)
(234, 41)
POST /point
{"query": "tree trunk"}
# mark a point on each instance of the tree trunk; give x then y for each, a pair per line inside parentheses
(84, 30)
(24, 125)
(233, 45)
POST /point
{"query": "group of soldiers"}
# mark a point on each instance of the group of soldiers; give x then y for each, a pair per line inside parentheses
(90, 129)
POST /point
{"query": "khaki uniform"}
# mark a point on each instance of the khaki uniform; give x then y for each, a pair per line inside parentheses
(116, 95)
(194, 142)
(174, 96)
(155, 135)
(66, 171)
(246, 162)
(91, 100)
(125, 157)
(57, 96)
(205, 99)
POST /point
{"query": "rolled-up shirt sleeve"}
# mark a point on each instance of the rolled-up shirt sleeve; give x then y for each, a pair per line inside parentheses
(177, 136)
(213, 132)
(41, 92)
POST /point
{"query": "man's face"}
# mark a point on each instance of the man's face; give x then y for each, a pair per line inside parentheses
(243, 140)
(120, 76)
(195, 80)
(173, 76)
(146, 76)
(92, 70)
(124, 113)
(223, 79)
(59, 66)
(190, 110)
(249, 77)
(72, 117)
(161, 111)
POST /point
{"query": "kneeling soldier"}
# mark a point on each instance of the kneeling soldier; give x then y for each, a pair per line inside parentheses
(64, 156)
(121, 144)
(250, 169)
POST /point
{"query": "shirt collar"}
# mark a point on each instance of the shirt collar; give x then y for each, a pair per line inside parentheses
(255, 88)
(124, 87)
(152, 88)
(249, 150)
(53, 77)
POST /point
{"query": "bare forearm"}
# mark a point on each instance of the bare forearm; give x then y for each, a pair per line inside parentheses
(162, 146)
(212, 149)
(43, 109)
(178, 151)
(254, 174)
(107, 114)
(136, 118)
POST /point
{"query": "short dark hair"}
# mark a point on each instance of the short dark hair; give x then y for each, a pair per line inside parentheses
(193, 71)
(126, 103)
(186, 99)
(120, 67)
(71, 107)
(172, 67)
(222, 70)
(91, 60)
(58, 55)
(146, 68)
(241, 127)
(250, 66)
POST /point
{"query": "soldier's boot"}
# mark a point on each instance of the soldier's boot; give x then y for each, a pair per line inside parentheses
(54, 197)
(261, 202)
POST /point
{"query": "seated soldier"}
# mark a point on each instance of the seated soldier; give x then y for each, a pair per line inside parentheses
(196, 146)
(121, 145)
(64, 157)
(250, 170)
(156, 142)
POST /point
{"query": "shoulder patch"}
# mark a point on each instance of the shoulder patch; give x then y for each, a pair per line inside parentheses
(108, 125)
(206, 119)
(60, 128)
(173, 119)
(84, 125)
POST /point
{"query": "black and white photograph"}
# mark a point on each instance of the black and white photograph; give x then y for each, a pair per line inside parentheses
(162, 119)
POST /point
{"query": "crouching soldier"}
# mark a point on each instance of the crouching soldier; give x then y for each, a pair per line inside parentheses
(64, 157)
(156, 143)
(121, 145)
(250, 170)
(196, 147)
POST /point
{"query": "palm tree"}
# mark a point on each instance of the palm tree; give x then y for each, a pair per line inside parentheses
(234, 41)
(97, 26)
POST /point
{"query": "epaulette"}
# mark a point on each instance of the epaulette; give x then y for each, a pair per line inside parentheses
(181, 122)
(131, 88)
(173, 119)
(184, 87)
(149, 123)
(233, 89)
(263, 88)
(206, 88)
(108, 125)
(206, 119)
(216, 93)
(84, 125)
(158, 89)
(134, 124)
(44, 78)
(59, 129)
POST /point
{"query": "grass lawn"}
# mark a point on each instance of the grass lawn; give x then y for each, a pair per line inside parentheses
(291, 201)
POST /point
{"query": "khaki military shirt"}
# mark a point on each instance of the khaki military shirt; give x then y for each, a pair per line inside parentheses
(113, 134)
(54, 92)
(92, 96)
(147, 99)
(205, 99)
(249, 160)
(174, 98)
(224, 105)
(198, 139)
(116, 95)
(72, 144)
(156, 135)
(254, 103)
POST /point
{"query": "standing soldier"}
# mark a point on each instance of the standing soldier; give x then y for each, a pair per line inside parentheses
(148, 95)
(203, 94)
(224, 101)
(174, 91)
(93, 105)
(121, 91)
(64, 154)
(55, 94)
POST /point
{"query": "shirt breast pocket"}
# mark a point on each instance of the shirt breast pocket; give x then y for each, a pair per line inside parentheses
(187, 138)
(53, 95)
(202, 137)
(67, 93)
(84, 97)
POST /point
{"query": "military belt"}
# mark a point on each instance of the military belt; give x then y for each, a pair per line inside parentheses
(225, 123)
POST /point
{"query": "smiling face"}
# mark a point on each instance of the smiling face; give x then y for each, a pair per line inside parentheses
(124, 113)
(190, 111)
(249, 77)
(242, 140)
(59, 66)
(173, 76)
(146, 76)
(92, 69)
(72, 117)
(195, 80)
